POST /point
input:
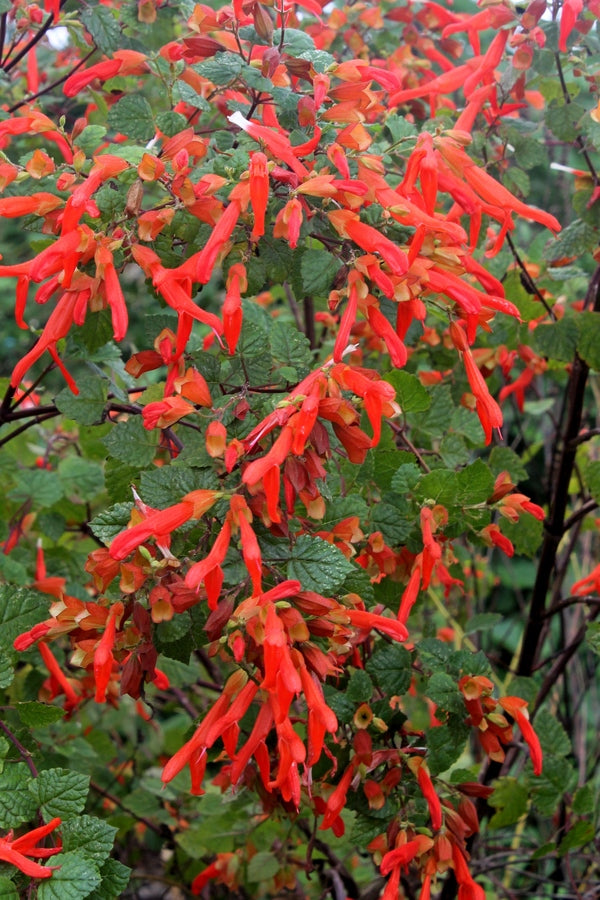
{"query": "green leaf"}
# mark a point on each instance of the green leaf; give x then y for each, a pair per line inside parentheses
(562, 120)
(103, 27)
(475, 483)
(170, 123)
(43, 488)
(132, 443)
(454, 451)
(390, 667)
(527, 304)
(8, 890)
(262, 866)
(317, 565)
(410, 393)
(7, 670)
(574, 240)
(60, 792)
(132, 115)
(17, 805)
(588, 345)
(443, 690)
(167, 485)
(295, 42)
(86, 407)
(221, 68)
(579, 835)
(107, 524)
(191, 97)
(360, 687)
(337, 700)
(89, 140)
(526, 534)
(557, 340)
(76, 878)
(20, 610)
(584, 801)
(510, 801)
(317, 272)
(548, 789)
(503, 459)
(290, 347)
(119, 478)
(446, 743)
(439, 486)
(115, 878)
(392, 518)
(81, 477)
(405, 478)
(90, 836)
(36, 715)
(553, 737)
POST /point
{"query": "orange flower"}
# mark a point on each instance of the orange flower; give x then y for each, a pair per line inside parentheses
(517, 708)
(15, 851)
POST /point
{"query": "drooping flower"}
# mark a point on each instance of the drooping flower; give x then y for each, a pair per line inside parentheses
(15, 851)
(517, 708)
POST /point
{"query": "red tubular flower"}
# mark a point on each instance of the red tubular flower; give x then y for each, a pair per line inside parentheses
(405, 853)
(15, 851)
(349, 225)
(57, 327)
(200, 571)
(278, 144)
(419, 768)
(40, 203)
(250, 549)
(199, 267)
(288, 222)
(103, 656)
(492, 535)
(259, 192)
(517, 708)
(490, 414)
(105, 270)
(468, 889)
(123, 62)
(237, 282)
(570, 11)
(337, 800)
(72, 698)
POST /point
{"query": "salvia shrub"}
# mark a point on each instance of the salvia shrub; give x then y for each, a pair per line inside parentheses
(300, 454)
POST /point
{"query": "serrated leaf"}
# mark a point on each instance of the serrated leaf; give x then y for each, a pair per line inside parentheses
(510, 799)
(527, 304)
(119, 478)
(20, 610)
(132, 443)
(295, 42)
(392, 518)
(360, 687)
(584, 801)
(592, 637)
(405, 478)
(36, 715)
(410, 393)
(579, 835)
(390, 666)
(8, 890)
(115, 878)
(526, 534)
(562, 120)
(446, 744)
(81, 477)
(574, 240)
(221, 68)
(475, 484)
(317, 565)
(548, 789)
(290, 347)
(170, 123)
(191, 97)
(7, 670)
(339, 703)
(443, 690)
(262, 866)
(89, 140)
(90, 836)
(167, 485)
(39, 486)
(76, 878)
(553, 737)
(439, 486)
(557, 340)
(17, 804)
(103, 27)
(107, 524)
(132, 115)
(317, 272)
(60, 792)
(503, 459)
(588, 344)
(86, 407)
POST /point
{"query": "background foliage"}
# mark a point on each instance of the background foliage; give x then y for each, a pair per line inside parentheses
(267, 273)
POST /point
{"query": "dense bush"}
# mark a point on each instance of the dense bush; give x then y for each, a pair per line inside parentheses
(299, 449)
